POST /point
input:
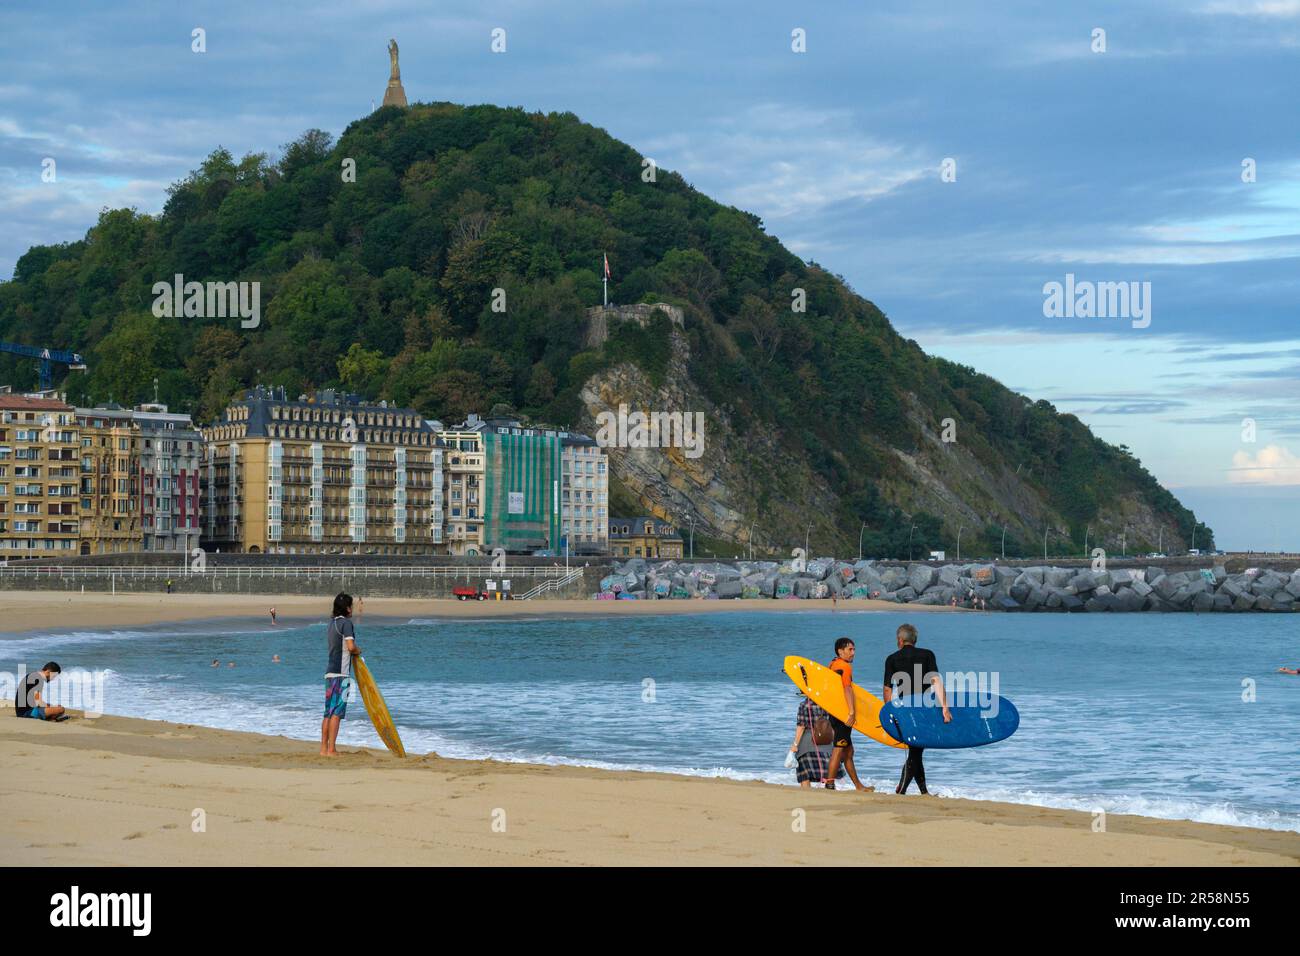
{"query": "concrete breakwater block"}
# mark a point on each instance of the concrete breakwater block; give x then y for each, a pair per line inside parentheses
(992, 586)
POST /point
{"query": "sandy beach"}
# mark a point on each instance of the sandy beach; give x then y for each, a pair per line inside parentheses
(61, 610)
(118, 791)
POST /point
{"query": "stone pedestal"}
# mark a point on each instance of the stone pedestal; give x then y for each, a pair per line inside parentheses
(394, 95)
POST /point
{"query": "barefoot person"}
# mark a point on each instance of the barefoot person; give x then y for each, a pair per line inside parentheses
(340, 645)
(842, 741)
(909, 670)
(29, 702)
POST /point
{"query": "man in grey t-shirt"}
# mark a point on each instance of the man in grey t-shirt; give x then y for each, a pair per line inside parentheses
(340, 643)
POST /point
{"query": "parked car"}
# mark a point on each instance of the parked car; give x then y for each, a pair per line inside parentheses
(465, 593)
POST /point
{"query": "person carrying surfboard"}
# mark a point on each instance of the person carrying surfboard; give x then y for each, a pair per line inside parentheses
(341, 647)
(908, 671)
(842, 740)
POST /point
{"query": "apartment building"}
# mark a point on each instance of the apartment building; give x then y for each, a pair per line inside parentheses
(464, 477)
(139, 473)
(323, 474)
(171, 456)
(584, 494)
(110, 481)
(39, 477)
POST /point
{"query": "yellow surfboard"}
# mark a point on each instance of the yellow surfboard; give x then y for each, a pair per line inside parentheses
(826, 690)
(376, 707)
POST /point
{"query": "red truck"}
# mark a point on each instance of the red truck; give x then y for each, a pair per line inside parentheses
(465, 593)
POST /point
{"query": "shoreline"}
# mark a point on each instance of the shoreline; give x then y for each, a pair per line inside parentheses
(27, 611)
(117, 790)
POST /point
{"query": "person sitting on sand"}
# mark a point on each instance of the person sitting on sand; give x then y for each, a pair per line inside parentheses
(29, 702)
(812, 758)
(908, 671)
(340, 645)
(842, 741)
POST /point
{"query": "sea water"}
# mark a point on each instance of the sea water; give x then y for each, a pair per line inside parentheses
(1179, 716)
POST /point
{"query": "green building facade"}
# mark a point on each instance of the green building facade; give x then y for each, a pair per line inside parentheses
(521, 475)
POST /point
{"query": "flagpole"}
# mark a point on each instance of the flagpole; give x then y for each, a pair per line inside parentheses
(605, 281)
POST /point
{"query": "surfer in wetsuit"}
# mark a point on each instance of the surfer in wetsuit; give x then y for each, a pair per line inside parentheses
(842, 741)
(908, 671)
(341, 646)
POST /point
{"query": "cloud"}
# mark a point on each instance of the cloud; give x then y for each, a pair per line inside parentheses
(783, 160)
(1270, 9)
(1272, 465)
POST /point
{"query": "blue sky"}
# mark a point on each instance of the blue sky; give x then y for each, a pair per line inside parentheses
(1115, 166)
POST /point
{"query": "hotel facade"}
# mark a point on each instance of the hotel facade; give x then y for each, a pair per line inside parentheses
(325, 474)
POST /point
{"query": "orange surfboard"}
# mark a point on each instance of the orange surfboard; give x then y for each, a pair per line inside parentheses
(826, 690)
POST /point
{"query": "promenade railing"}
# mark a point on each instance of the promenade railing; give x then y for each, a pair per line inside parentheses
(240, 573)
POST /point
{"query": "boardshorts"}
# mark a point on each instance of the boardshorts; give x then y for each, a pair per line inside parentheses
(843, 733)
(337, 690)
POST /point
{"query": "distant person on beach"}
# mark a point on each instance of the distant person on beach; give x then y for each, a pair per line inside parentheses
(169, 585)
(29, 702)
(842, 739)
(812, 758)
(273, 617)
(340, 646)
(909, 670)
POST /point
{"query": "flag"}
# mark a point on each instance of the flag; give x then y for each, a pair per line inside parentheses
(606, 265)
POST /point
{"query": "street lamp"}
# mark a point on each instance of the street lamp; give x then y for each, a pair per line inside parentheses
(1086, 530)
(960, 527)
(1045, 533)
(751, 541)
(691, 519)
(860, 534)
(1004, 542)
(807, 532)
(909, 541)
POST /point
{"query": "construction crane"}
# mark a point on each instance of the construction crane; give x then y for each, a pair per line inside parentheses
(44, 359)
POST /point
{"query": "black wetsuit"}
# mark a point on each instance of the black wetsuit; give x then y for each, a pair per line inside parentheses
(907, 671)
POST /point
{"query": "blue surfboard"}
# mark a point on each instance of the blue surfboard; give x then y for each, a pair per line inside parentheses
(977, 719)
